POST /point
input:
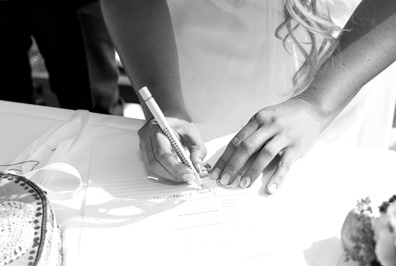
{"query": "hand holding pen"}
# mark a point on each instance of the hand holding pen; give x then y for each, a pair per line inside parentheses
(163, 153)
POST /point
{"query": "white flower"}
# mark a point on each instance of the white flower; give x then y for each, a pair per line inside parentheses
(385, 237)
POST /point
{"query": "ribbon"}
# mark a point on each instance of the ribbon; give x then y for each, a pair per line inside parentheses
(47, 152)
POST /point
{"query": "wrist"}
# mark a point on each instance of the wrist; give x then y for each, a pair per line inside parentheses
(170, 112)
(325, 103)
(179, 112)
(170, 102)
(318, 111)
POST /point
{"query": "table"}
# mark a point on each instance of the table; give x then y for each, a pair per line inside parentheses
(24, 123)
(323, 186)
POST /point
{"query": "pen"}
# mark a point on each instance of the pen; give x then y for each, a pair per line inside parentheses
(176, 145)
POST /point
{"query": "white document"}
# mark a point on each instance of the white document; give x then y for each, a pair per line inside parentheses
(134, 218)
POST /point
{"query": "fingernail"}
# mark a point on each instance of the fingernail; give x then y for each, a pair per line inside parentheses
(225, 179)
(199, 165)
(245, 182)
(188, 177)
(272, 188)
(208, 167)
(215, 174)
(203, 174)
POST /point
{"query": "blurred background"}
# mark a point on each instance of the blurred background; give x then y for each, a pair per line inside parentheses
(61, 55)
(43, 95)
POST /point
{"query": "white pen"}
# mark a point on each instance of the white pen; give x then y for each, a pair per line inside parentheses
(176, 145)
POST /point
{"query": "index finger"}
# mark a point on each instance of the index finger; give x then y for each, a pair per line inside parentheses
(232, 146)
(243, 153)
(163, 154)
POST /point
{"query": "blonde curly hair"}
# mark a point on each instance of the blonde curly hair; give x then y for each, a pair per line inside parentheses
(312, 32)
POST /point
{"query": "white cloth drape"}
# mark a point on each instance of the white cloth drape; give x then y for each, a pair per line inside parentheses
(232, 65)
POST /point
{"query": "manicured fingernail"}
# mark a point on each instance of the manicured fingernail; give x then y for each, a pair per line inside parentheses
(225, 179)
(272, 188)
(245, 182)
(188, 177)
(215, 174)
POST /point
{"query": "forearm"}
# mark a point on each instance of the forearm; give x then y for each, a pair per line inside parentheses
(142, 33)
(365, 51)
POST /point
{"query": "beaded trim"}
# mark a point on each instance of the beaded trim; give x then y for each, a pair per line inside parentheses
(16, 230)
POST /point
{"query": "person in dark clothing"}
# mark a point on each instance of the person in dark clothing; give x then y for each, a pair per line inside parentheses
(57, 30)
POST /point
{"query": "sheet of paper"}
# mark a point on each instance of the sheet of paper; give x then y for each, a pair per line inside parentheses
(123, 197)
(133, 217)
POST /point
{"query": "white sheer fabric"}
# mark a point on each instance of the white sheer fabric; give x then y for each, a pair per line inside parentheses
(367, 120)
(232, 65)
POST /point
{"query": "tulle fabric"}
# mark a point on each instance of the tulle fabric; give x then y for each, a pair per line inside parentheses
(231, 63)
(232, 66)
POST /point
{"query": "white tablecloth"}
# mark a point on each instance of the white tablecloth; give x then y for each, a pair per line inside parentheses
(334, 177)
(23, 124)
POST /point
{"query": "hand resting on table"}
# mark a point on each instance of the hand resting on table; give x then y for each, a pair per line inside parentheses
(289, 130)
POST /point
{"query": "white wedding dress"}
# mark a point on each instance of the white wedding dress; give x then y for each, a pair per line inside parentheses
(232, 65)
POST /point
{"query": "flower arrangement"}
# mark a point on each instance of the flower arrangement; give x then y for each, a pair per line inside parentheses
(369, 233)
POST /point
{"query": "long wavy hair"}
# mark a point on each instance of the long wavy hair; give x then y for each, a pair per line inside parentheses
(314, 35)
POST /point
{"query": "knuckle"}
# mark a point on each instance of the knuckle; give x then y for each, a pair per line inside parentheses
(231, 168)
(220, 164)
(259, 118)
(270, 151)
(255, 119)
(279, 178)
(285, 166)
(277, 122)
(247, 145)
(254, 172)
(280, 175)
(144, 132)
(151, 164)
(236, 141)
(159, 154)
